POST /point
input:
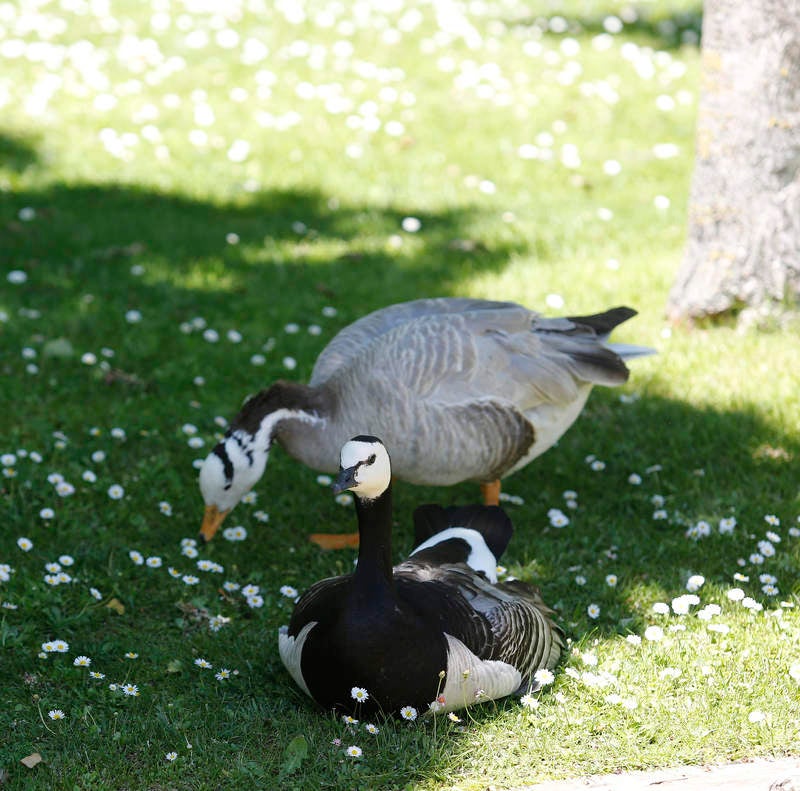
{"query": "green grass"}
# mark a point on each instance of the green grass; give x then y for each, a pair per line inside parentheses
(318, 223)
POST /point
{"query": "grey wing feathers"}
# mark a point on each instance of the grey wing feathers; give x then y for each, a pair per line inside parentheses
(354, 338)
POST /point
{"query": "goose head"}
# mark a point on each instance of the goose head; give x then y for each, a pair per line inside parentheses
(228, 473)
(365, 468)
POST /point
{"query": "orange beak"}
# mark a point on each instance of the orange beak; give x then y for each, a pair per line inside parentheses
(212, 519)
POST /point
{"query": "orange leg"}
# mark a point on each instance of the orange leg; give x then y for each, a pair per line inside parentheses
(335, 540)
(491, 492)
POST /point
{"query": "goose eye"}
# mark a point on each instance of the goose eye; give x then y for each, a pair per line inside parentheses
(371, 459)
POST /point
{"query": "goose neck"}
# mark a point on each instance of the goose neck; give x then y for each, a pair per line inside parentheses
(375, 541)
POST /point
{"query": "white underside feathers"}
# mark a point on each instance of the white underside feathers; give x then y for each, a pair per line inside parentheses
(473, 680)
(480, 556)
(291, 651)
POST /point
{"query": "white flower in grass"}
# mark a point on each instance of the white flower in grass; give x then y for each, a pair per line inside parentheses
(237, 533)
(250, 498)
(154, 562)
(223, 674)
(681, 604)
(771, 519)
(291, 593)
(580, 579)
(661, 608)
(695, 582)
(255, 602)
(593, 611)
(543, 676)
(25, 544)
(529, 701)
(773, 537)
(354, 751)
(56, 714)
(190, 551)
(171, 756)
(65, 489)
(165, 508)
(133, 316)
(116, 492)
(766, 548)
(557, 517)
(136, 557)
(654, 633)
(735, 594)
(359, 694)
(408, 713)
(95, 593)
(349, 720)
(634, 479)
(611, 580)
(727, 525)
(794, 672)
(89, 476)
(250, 590)
(131, 689)
(203, 663)
(81, 661)
(633, 639)
(190, 579)
(756, 716)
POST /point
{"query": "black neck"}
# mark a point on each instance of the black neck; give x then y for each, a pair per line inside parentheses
(374, 570)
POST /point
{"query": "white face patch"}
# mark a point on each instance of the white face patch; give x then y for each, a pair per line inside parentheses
(229, 474)
(480, 556)
(373, 468)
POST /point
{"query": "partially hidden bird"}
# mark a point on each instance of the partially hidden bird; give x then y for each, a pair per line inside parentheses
(461, 390)
(437, 631)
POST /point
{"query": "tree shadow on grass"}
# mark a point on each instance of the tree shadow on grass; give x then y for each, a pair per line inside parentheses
(16, 153)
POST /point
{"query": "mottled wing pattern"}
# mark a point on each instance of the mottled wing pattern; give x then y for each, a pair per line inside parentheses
(507, 622)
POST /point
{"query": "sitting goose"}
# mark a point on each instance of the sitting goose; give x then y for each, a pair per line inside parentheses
(462, 389)
(390, 633)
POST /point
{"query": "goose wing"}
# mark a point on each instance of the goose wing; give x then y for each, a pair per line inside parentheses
(349, 342)
(507, 622)
(321, 602)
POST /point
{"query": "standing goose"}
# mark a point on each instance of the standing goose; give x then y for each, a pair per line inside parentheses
(462, 389)
(391, 632)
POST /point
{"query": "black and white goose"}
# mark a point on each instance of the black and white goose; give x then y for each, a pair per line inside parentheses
(392, 631)
(461, 389)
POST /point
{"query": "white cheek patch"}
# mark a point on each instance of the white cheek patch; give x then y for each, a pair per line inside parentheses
(291, 652)
(480, 556)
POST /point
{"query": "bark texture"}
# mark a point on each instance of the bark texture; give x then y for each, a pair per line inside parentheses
(743, 245)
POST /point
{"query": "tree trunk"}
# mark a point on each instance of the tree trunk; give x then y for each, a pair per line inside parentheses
(743, 246)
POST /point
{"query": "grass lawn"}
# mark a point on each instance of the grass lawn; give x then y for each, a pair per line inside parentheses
(194, 197)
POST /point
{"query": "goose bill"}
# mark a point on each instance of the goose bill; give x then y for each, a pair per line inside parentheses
(212, 519)
(346, 479)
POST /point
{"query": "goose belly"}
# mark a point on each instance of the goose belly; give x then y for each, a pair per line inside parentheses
(550, 422)
(397, 670)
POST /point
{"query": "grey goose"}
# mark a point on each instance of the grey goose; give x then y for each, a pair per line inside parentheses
(461, 389)
(435, 631)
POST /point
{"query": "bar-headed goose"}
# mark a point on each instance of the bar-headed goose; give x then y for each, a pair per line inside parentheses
(461, 389)
(436, 629)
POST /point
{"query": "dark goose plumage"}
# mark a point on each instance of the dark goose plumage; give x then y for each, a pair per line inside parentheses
(392, 631)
